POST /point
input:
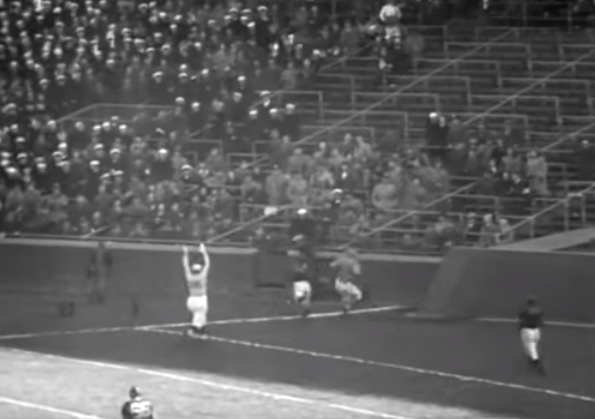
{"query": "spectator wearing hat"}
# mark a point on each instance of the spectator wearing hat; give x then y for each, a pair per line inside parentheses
(298, 190)
(276, 187)
(238, 109)
(161, 169)
(291, 122)
(159, 91)
(254, 127)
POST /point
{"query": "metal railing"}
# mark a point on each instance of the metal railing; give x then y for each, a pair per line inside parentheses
(277, 94)
(473, 185)
(530, 87)
(399, 91)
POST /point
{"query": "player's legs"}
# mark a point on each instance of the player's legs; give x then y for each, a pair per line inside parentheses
(350, 295)
(530, 339)
(302, 295)
(343, 290)
(198, 307)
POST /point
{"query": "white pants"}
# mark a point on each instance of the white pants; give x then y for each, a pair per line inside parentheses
(302, 290)
(348, 291)
(530, 340)
(198, 306)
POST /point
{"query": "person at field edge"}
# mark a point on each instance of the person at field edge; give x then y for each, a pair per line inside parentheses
(530, 323)
(300, 276)
(348, 269)
(137, 407)
(197, 281)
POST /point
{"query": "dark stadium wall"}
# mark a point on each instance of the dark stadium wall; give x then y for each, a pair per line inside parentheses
(494, 283)
(151, 275)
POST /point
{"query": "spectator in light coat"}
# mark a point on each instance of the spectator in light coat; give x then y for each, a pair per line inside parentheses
(297, 190)
(276, 187)
(384, 195)
(299, 162)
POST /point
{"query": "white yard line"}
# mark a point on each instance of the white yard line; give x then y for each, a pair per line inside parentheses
(279, 397)
(214, 322)
(284, 318)
(569, 325)
(48, 409)
(18, 336)
(400, 367)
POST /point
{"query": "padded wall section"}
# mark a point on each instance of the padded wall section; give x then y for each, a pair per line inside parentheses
(40, 276)
(493, 283)
(36, 274)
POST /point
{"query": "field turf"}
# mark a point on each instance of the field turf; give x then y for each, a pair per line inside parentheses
(370, 365)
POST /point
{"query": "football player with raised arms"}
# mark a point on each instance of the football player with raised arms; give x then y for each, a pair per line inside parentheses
(197, 280)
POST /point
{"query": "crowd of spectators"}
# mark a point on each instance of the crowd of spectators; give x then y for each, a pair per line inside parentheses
(58, 56)
(212, 68)
(211, 65)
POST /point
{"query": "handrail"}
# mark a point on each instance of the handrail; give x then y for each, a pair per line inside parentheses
(245, 225)
(567, 137)
(470, 186)
(400, 90)
(532, 218)
(74, 114)
(530, 87)
(276, 93)
(413, 212)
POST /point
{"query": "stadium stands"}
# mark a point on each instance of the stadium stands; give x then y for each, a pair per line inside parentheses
(225, 146)
(197, 68)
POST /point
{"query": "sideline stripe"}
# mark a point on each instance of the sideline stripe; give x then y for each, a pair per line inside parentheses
(67, 332)
(215, 322)
(212, 384)
(282, 318)
(44, 408)
(421, 371)
(571, 325)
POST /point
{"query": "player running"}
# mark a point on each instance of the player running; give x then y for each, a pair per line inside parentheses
(137, 407)
(530, 324)
(197, 303)
(348, 268)
(300, 276)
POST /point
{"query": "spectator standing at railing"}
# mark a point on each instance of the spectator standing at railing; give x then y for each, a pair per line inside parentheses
(443, 234)
(536, 172)
(511, 162)
(298, 190)
(506, 233)
(384, 195)
(276, 186)
(489, 231)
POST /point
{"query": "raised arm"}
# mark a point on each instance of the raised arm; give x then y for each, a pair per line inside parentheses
(186, 261)
(205, 254)
(357, 268)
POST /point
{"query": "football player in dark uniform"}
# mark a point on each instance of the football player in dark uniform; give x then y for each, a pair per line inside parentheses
(137, 407)
(530, 323)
